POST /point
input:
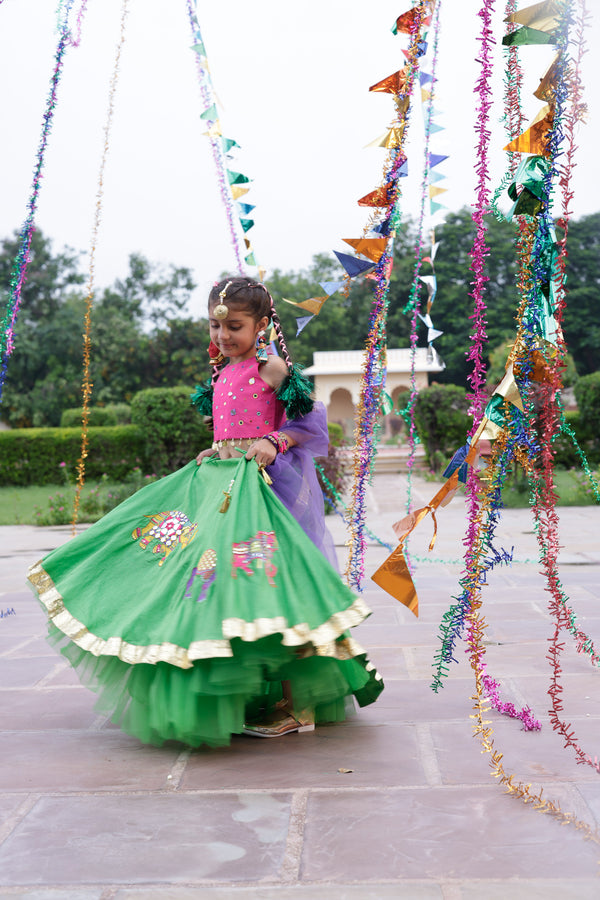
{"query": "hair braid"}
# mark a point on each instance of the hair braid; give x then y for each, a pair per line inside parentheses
(280, 337)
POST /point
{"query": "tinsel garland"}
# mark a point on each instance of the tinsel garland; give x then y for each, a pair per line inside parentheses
(513, 116)
(21, 261)
(373, 374)
(86, 386)
(412, 305)
(208, 101)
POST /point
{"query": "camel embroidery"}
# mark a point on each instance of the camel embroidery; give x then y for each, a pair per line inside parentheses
(207, 571)
(259, 549)
(170, 529)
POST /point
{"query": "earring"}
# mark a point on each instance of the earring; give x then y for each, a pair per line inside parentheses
(261, 347)
(215, 357)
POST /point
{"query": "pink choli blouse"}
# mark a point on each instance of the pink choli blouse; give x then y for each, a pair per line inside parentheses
(244, 406)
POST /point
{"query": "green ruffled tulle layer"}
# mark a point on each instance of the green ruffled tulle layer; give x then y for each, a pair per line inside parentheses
(206, 704)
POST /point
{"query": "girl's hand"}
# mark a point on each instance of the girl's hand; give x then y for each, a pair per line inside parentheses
(263, 452)
(205, 454)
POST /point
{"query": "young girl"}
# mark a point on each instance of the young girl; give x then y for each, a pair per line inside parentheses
(204, 605)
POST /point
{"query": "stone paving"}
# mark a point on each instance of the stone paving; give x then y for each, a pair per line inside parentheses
(88, 813)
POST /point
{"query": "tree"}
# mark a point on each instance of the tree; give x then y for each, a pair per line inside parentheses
(581, 323)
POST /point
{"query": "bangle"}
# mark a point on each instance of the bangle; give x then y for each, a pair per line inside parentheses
(278, 440)
(271, 439)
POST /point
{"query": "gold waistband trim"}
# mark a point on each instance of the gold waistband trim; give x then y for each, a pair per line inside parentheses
(325, 640)
(234, 442)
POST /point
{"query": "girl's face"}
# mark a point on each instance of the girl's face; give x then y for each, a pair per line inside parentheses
(235, 336)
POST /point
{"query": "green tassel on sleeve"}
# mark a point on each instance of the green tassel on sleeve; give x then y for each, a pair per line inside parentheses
(202, 398)
(295, 393)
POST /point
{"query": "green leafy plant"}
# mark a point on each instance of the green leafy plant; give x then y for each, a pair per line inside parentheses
(442, 421)
(173, 432)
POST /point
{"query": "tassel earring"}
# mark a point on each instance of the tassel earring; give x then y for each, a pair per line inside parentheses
(261, 347)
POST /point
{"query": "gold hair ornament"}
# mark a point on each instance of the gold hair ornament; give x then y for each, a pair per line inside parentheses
(221, 311)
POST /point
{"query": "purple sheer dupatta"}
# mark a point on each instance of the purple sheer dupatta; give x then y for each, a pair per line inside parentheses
(295, 479)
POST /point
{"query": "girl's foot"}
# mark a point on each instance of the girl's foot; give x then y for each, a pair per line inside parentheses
(281, 721)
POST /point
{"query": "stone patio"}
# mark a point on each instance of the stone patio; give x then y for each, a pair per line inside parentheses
(88, 813)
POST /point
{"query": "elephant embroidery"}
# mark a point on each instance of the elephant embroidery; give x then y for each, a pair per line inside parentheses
(207, 570)
(259, 549)
(170, 529)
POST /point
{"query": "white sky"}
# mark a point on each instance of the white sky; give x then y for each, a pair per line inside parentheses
(293, 82)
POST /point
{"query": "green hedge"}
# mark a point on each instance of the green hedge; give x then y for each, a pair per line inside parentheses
(111, 414)
(565, 454)
(34, 455)
(174, 432)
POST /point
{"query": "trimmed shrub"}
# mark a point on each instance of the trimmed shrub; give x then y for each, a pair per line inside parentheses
(111, 414)
(38, 455)
(565, 454)
(587, 395)
(442, 421)
(173, 431)
(100, 417)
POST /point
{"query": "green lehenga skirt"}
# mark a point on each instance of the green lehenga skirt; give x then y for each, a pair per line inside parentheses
(186, 619)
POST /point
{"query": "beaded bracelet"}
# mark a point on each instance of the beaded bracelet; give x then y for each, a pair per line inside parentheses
(278, 440)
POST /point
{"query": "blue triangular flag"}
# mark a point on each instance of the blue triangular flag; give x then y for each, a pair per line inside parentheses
(435, 207)
(352, 265)
(424, 78)
(382, 228)
(435, 159)
(245, 208)
(458, 462)
(436, 176)
(403, 170)
(433, 128)
(302, 322)
(330, 287)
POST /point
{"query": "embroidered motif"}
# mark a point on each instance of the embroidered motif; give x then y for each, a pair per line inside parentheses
(259, 549)
(171, 529)
(207, 570)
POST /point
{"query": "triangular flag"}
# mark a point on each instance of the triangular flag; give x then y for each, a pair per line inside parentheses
(433, 128)
(426, 319)
(406, 22)
(210, 114)
(238, 191)
(421, 49)
(435, 159)
(247, 224)
(528, 36)
(432, 334)
(434, 249)
(434, 191)
(430, 282)
(509, 390)
(534, 140)
(250, 259)
(435, 207)
(425, 95)
(214, 131)
(248, 243)
(236, 177)
(313, 304)
(391, 140)
(437, 176)
(228, 144)
(543, 16)
(302, 322)
(199, 49)
(245, 208)
(372, 248)
(352, 265)
(425, 78)
(381, 196)
(546, 91)
(393, 84)
(330, 287)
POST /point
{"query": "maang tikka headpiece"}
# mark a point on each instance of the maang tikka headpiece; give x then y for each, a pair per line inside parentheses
(221, 311)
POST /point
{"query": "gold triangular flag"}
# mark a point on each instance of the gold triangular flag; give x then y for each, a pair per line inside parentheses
(435, 191)
(238, 190)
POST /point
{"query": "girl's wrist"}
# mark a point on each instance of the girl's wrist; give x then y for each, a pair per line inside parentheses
(278, 440)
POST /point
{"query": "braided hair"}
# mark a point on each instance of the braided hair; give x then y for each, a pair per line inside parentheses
(253, 297)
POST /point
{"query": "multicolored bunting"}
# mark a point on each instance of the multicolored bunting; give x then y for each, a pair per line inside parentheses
(352, 264)
(301, 323)
(372, 248)
(330, 287)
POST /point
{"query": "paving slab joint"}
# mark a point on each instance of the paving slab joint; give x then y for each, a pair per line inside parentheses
(290, 868)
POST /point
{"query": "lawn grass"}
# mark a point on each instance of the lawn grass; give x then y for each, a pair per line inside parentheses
(18, 504)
